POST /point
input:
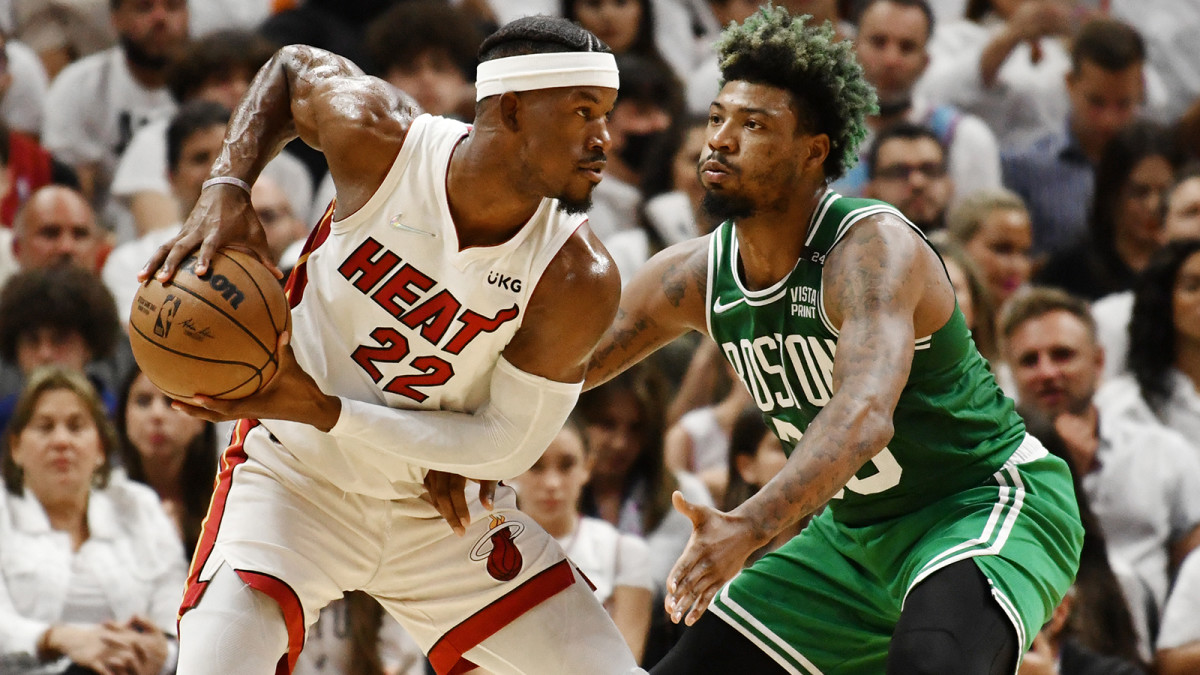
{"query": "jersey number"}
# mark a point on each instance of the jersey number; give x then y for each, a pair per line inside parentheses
(887, 469)
(393, 348)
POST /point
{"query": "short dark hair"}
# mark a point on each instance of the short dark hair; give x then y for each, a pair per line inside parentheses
(1111, 44)
(216, 56)
(539, 35)
(64, 297)
(900, 130)
(821, 73)
(192, 117)
(405, 31)
(42, 381)
(922, 5)
(1038, 301)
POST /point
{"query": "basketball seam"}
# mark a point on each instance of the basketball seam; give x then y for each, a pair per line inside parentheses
(255, 372)
(261, 294)
(232, 319)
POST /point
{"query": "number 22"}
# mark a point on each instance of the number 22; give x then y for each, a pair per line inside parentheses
(393, 348)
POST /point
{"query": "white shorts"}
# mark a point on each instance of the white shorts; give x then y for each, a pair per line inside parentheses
(303, 542)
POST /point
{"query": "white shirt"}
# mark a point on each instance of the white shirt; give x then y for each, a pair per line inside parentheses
(25, 100)
(1181, 412)
(1181, 619)
(123, 263)
(1145, 494)
(1112, 314)
(327, 645)
(133, 550)
(669, 538)
(607, 557)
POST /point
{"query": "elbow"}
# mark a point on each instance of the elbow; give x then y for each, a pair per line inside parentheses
(873, 421)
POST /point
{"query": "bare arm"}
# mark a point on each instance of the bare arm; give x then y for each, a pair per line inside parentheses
(882, 288)
(664, 300)
(359, 123)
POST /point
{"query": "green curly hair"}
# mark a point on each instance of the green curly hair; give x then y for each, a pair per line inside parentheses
(832, 97)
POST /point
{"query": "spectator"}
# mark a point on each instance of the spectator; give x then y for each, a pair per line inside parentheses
(647, 105)
(1054, 173)
(100, 571)
(55, 226)
(1179, 639)
(426, 48)
(1139, 477)
(616, 563)
(906, 165)
(993, 229)
(630, 486)
(169, 451)
(974, 299)
(354, 636)
(1005, 62)
(285, 232)
(1125, 224)
(892, 46)
(626, 26)
(217, 68)
(23, 85)
(1092, 631)
(1173, 55)
(62, 31)
(96, 104)
(755, 456)
(339, 26)
(1112, 312)
(25, 166)
(672, 191)
(1164, 345)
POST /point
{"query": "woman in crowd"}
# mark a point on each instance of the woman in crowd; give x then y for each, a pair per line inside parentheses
(91, 570)
(755, 456)
(626, 26)
(1126, 222)
(616, 563)
(1164, 344)
(973, 296)
(171, 451)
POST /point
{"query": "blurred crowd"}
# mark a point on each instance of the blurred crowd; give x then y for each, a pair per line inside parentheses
(1050, 149)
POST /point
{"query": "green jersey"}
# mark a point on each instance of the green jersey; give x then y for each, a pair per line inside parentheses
(953, 425)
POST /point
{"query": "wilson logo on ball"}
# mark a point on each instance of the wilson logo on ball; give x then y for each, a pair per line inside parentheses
(220, 284)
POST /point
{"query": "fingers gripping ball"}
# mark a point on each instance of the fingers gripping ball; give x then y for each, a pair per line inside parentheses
(213, 335)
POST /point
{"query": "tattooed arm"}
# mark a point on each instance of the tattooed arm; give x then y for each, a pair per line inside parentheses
(664, 300)
(883, 287)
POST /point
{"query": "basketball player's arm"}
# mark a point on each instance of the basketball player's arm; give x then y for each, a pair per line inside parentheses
(664, 300)
(874, 282)
(358, 122)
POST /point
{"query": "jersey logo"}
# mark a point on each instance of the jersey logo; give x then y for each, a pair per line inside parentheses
(720, 307)
(504, 281)
(504, 559)
(395, 222)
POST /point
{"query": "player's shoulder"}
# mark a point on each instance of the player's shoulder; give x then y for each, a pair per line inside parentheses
(583, 266)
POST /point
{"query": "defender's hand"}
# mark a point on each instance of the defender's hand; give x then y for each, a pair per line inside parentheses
(447, 493)
(222, 218)
(715, 553)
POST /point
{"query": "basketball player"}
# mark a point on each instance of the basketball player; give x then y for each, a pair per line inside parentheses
(950, 535)
(444, 310)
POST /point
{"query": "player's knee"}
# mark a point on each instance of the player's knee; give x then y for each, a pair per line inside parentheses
(927, 652)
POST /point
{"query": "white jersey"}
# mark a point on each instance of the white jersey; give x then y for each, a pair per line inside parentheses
(386, 309)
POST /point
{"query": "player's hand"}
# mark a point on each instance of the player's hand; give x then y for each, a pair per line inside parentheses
(222, 218)
(291, 395)
(716, 551)
(447, 493)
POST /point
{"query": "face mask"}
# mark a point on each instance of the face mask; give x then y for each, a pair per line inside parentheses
(638, 148)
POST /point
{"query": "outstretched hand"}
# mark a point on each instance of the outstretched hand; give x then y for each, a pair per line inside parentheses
(222, 218)
(715, 553)
(291, 394)
(447, 493)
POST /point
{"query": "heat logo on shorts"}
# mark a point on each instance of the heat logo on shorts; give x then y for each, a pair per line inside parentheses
(499, 549)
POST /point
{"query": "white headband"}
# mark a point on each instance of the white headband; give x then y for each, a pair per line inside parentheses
(546, 71)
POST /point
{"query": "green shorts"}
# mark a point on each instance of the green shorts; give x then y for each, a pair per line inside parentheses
(828, 600)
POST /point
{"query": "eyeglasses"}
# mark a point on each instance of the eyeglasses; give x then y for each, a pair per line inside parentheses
(897, 172)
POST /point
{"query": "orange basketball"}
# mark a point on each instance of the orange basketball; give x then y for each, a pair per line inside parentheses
(213, 335)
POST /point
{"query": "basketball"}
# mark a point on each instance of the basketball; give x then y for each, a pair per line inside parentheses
(213, 335)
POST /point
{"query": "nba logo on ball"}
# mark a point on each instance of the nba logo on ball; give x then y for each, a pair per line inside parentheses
(498, 547)
(162, 325)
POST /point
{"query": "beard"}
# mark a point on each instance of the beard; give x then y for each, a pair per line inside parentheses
(141, 57)
(575, 207)
(721, 207)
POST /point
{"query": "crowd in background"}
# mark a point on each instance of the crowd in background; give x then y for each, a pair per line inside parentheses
(1050, 149)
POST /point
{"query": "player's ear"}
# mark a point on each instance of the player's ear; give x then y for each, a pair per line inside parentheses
(510, 111)
(816, 150)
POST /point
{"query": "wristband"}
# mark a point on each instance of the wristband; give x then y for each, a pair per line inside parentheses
(226, 180)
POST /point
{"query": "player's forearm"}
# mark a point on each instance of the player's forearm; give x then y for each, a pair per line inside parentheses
(268, 115)
(842, 438)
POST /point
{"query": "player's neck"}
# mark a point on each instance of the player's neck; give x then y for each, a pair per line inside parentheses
(770, 242)
(487, 204)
